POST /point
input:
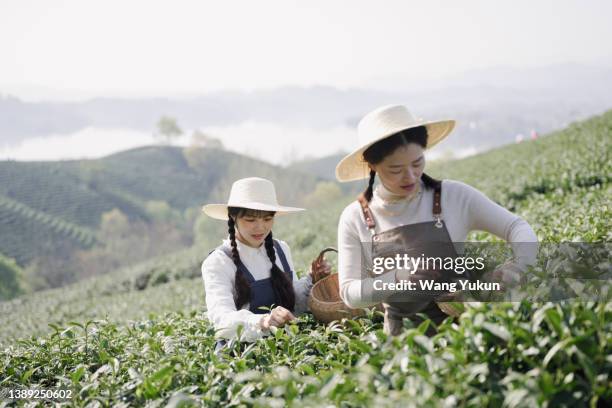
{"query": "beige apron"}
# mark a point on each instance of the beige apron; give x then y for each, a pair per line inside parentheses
(426, 238)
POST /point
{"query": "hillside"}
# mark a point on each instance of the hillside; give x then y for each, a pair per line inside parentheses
(49, 210)
(152, 342)
(324, 167)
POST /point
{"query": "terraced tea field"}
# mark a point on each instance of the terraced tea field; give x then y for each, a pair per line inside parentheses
(139, 336)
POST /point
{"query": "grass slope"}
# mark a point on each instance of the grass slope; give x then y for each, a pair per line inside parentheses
(45, 204)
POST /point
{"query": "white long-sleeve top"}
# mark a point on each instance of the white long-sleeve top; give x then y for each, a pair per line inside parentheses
(219, 274)
(464, 209)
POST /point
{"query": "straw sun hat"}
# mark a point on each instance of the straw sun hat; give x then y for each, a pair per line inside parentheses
(379, 124)
(254, 193)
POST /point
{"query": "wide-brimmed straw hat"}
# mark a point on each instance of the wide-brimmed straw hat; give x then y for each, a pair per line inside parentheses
(254, 193)
(379, 124)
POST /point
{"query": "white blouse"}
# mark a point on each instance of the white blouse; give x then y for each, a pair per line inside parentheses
(219, 274)
(464, 209)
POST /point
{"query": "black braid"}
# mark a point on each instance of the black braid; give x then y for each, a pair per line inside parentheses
(242, 295)
(429, 181)
(370, 190)
(283, 288)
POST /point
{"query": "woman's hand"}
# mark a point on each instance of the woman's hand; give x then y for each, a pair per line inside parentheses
(507, 274)
(319, 269)
(277, 318)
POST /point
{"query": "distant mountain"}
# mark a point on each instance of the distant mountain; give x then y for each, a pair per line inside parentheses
(492, 106)
(324, 167)
(45, 206)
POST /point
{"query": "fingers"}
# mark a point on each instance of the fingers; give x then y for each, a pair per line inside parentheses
(319, 269)
(276, 321)
(284, 313)
(264, 322)
(322, 273)
(323, 268)
(279, 316)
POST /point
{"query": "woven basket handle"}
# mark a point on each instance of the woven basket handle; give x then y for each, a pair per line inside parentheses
(320, 258)
(328, 249)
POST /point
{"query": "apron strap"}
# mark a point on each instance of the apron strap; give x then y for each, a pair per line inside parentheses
(367, 213)
(241, 267)
(437, 206)
(283, 259)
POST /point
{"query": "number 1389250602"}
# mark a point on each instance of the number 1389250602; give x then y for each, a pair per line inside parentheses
(13, 394)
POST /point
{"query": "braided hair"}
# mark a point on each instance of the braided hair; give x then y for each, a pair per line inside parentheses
(282, 286)
(383, 148)
(242, 293)
(370, 190)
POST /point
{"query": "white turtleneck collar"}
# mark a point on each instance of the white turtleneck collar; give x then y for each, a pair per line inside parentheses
(245, 250)
(389, 198)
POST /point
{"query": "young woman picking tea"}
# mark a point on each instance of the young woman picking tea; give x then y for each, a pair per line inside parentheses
(411, 210)
(251, 272)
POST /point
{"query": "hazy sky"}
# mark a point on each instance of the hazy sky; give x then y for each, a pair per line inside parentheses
(66, 49)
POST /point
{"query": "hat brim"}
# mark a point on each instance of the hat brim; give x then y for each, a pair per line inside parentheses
(219, 211)
(352, 167)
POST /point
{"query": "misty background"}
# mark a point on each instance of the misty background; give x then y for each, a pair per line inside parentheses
(287, 80)
(291, 123)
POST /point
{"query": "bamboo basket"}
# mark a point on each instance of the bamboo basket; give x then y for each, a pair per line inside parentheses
(325, 302)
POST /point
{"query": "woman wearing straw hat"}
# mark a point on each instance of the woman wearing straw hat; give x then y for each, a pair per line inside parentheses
(409, 209)
(251, 271)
